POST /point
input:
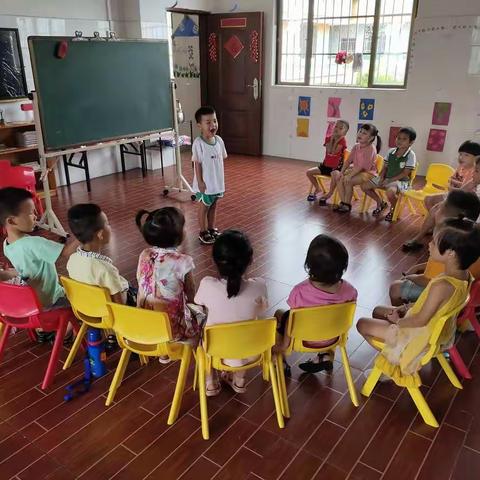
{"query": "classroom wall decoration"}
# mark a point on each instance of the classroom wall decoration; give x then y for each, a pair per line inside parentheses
(12, 74)
(304, 104)
(186, 28)
(302, 127)
(441, 113)
(333, 109)
(392, 136)
(436, 140)
(367, 109)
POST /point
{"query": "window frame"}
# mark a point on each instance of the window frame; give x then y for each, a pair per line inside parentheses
(308, 51)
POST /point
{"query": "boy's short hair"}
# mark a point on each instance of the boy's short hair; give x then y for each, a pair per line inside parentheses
(473, 148)
(461, 203)
(85, 221)
(327, 260)
(206, 110)
(412, 134)
(463, 237)
(11, 199)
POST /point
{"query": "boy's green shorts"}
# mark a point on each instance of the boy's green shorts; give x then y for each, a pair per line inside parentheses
(208, 199)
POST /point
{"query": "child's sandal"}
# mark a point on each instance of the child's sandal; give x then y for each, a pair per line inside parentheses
(344, 208)
(322, 201)
(324, 363)
(380, 209)
(213, 389)
(311, 197)
(389, 216)
(228, 378)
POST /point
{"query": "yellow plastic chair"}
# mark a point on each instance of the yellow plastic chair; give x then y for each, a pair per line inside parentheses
(89, 304)
(443, 328)
(436, 182)
(318, 324)
(147, 333)
(396, 213)
(238, 340)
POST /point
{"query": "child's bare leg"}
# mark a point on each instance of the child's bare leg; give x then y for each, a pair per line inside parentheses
(311, 172)
(433, 200)
(212, 383)
(392, 196)
(239, 378)
(212, 215)
(369, 189)
(371, 328)
(335, 178)
(395, 293)
(341, 187)
(202, 216)
(348, 187)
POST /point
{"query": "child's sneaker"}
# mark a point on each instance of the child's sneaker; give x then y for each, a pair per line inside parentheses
(206, 238)
(214, 232)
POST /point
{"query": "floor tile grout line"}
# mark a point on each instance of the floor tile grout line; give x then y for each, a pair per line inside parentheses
(470, 448)
(126, 448)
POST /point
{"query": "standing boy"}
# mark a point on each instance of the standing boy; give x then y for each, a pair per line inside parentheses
(208, 153)
(396, 173)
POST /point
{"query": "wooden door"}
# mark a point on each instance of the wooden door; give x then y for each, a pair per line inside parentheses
(234, 61)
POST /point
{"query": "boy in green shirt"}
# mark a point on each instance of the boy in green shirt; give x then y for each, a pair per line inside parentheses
(396, 173)
(33, 258)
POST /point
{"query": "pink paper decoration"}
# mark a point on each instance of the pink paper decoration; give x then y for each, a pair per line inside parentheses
(441, 113)
(392, 136)
(330, 127)
(333, 109)
(436, 140)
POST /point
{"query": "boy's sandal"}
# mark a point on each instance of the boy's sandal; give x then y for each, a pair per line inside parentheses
(412, 246)
(312, 197)
(68, 338)
(228, 378)
(322, 201)
(45, 337)
(380, 209)
(213, 389)
(311, 366)
(389, 216)
(214, 232)
(344, 208)
(165, 360)
(206, 238)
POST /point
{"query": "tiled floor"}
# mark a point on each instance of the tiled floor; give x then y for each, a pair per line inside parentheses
(41, 436)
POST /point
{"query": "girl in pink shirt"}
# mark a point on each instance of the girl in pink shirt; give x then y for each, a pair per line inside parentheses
(359, 167)
(231, 298)
(326, 262)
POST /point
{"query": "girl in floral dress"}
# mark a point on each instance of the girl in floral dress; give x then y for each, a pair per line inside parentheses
(165, 280)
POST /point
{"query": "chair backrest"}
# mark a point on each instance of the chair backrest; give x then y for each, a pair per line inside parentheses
(240, 339)
(379, 163)
(139, 329)
(20, 177)
(443, 327)
(89, 303)
(438, 176)
(346, 154)
(319, 323)
(19, 302)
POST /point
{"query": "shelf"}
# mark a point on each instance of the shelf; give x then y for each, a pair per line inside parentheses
(8, 151)
(17, 125)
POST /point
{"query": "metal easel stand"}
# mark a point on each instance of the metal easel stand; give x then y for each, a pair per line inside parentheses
(48, 221)
(181, 184)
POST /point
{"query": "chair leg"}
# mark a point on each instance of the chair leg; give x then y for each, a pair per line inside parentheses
(411, 207)
(118, 377)
(276, 395)
(321, 185)
(195, 376)
(202, 394)
(32, 335)
(75, 346)
(57, 346)
(348, 376)
(398, 208)
(336, 198)
(475, 324)
(180, 386)
(3, 340)
(372, 380)
(447, 368)
(460, 365)
(282, 386)
(143, 360)
(422, 406)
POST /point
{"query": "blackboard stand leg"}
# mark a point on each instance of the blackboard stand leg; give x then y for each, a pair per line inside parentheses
(65, 167)
(122, 157)
(143, 157)
(161, 156)
(84, 161)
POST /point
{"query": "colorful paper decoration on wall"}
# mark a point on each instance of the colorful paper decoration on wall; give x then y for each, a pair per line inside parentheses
(254, 48)
(212, 47)
(233, 46)
(302, 127)
(304, 104)
(392, 136)
(441, 113)
(333, 109)
(330, 127)
(436, 140)
(367, 109)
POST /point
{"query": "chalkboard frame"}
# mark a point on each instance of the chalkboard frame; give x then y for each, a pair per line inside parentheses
(100, 141)
(22, 66)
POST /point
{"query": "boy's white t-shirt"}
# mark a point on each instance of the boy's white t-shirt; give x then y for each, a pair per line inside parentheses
(211, 157)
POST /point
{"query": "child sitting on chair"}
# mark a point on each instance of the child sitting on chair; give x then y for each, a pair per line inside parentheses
(466, 178)
(396, 173)
(335, 146)
(89, 224)
(326, 262)
(405, 330)
(165, 279)
(359, 167)
(231, 298)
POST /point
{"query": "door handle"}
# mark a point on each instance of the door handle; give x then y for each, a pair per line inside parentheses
(256, 88)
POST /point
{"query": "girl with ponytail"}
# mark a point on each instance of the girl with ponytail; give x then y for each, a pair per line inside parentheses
(231, 297)
(165, 280)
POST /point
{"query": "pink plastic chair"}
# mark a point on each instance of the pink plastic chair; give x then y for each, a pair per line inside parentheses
(20, 177)
(20, 308)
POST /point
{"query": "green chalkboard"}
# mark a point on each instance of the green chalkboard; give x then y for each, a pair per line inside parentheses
(100, 90)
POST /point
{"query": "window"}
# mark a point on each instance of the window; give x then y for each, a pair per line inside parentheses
(373, 36)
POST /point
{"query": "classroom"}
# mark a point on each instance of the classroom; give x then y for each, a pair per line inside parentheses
(240, 239)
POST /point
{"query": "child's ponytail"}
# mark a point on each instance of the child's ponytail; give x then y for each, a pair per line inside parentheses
(232, 254)
(138, 218)
(379, 143)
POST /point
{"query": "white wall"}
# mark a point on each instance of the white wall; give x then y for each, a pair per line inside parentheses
(438, 73)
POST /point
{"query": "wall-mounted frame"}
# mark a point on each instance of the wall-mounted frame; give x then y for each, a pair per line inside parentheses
(13, 84)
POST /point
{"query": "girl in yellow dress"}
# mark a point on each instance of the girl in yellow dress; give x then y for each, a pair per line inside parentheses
(405, 330)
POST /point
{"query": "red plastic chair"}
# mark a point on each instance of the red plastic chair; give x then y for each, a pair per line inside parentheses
(20, 177)
(20, 308)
